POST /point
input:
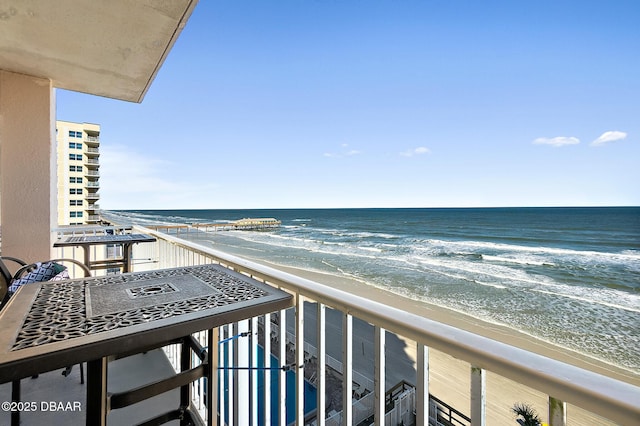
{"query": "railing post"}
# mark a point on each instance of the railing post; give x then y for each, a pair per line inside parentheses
(282, 380)
(242, 385)
(478, 396)
(224, 375)
(299, 362)
(347, 369)
(557, 412)
(267, 371)
(422, 390)
(253, 350)
(232, 393)
(321, 381)
(379, 374)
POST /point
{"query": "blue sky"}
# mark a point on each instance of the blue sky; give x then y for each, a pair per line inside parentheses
(354, 103)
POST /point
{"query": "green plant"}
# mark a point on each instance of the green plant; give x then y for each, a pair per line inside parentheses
(529, 415)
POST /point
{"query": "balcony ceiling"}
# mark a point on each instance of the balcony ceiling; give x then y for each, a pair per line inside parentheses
(110, 48)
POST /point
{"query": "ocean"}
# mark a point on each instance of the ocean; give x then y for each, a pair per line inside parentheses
(567, 276)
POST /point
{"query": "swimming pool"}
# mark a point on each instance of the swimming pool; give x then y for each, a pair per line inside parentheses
(310, 391)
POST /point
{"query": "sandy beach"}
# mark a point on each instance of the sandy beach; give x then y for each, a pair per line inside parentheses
(449, 377)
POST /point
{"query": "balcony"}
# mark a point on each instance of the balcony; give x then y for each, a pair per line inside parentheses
(92, 152)
(92, 173)
(92, 184)
(352, 348)
(93, 141)
(92, 196)
(92, 162)
(93, 218)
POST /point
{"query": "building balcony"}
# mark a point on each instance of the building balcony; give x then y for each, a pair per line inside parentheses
(93, 207)
(93, 141)
(92, 152)
(350, 350)
(92, 196)
(92, 218)
(92, 173)
(92, 162)
(92, 184)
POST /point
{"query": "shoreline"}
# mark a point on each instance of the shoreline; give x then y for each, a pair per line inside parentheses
(462, 321)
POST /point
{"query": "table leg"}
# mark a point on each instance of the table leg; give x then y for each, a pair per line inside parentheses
(15, 397)
(185, 390)
(126, 254)
(97, 392)
(87, 255)
(212, 377)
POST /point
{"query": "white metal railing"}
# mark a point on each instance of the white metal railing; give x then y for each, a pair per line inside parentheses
(565, 384)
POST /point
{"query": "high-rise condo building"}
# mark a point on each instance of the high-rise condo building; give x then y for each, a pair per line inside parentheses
(78, 172)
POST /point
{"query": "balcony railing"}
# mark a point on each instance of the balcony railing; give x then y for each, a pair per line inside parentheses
(94, 152)
(92, 140)
(591, 397)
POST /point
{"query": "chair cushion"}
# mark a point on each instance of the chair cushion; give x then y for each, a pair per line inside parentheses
(64, 275)
(42, 272)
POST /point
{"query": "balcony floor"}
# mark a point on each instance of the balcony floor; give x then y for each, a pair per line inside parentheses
(124, 374)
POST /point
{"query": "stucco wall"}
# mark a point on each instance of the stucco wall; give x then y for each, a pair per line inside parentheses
(27, 166)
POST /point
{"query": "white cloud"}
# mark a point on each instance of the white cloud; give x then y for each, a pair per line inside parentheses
(416, 151)
(344, 152)
(610, 136)
(558, 141)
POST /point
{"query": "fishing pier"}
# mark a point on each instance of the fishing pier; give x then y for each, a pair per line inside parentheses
(247, 224)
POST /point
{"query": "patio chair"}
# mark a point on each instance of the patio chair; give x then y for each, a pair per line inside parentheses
(51, 270)
(29, 273)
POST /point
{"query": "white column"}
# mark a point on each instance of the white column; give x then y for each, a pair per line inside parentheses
(28, 187)
(321, 381)
(379, 374)
(267, 365)
(299, 363)
(478, 396)
(253, 396)
(243, 388)
(282, 383)
(422, 390)
(557, 412)
(347, 369)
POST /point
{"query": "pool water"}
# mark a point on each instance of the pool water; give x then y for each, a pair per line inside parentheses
(310, 391)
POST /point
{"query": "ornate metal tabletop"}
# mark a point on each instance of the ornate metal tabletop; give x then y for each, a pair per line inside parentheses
(124, 240)
(54, 324)
(75, 240)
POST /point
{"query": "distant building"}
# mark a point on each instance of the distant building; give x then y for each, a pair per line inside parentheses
(78, 172)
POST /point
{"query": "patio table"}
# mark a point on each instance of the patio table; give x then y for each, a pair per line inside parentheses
(86, 241)
(51, 325)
